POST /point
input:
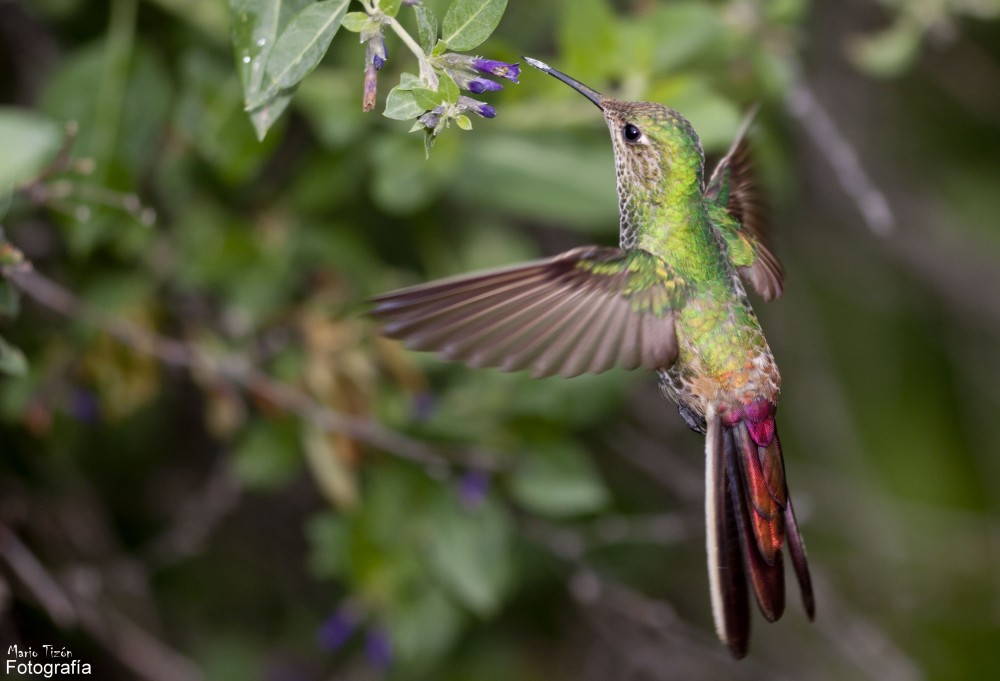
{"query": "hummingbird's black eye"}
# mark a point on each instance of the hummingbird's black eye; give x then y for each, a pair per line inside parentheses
(631, 133)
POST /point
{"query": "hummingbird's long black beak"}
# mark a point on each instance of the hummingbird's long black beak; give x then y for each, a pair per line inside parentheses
(590, 93)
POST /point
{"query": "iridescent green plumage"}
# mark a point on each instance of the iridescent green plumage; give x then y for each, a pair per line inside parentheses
(670, 299)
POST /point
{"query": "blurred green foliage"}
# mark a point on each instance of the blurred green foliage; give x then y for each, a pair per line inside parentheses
(555, 529)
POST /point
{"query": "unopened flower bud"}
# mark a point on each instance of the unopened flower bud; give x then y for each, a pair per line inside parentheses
(496, 68)
(475, 106)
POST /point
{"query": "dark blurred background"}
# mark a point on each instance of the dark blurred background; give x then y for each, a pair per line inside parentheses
(264, 489)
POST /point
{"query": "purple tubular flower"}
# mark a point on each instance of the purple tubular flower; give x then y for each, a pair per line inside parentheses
(480, 108)
(375, 53)
(337, 629)
(374, 60)
(467, 79)
(378, 649)
(481, 85)
(497, 68)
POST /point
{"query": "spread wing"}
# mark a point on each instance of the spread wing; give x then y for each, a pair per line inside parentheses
(583, 311)
(733, 188)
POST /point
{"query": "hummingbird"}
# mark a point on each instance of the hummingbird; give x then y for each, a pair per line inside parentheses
(671, 299)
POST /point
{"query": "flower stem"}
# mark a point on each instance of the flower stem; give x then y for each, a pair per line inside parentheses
(426, 70)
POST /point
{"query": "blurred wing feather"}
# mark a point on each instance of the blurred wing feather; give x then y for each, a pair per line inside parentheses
(583, 311)
(733, 186)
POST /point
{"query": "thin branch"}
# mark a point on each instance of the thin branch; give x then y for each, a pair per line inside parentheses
(819, 125)
(195, 520)
(238, 370)
(426, 70)
(36, 579)
(861, 641)
(134, 647)
(573, 543)
(650, 634)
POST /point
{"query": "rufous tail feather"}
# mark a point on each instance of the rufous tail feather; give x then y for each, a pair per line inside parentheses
(749, 519)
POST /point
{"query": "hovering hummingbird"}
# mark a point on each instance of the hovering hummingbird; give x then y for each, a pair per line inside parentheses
(670, 299)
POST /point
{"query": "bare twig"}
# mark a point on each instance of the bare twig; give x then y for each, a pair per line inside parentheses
(652, 636)
(861, 641)
(195, 520)
(818, 124)
(238, 370)
(571, 544)
(36, 579)
(134, 647)
(137, 649)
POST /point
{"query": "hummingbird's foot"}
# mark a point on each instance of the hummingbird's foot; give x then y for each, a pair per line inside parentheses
(694, 421)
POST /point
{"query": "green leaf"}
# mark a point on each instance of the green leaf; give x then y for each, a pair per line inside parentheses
(467, 23)
(267, 456)
(408, 81)
(427, 27)
(256, 25)
(29, 141)
(414, 643)
(129, 134)
(300, 48)
(329, 544)
(12, 360)
(888, 53)
(121, 130)
(558, 481)
(440, 47)
(210, 112)
(265, 115)
(401, 105)
(331, 473)
(448, 88)
(429, 138)
(426, 97)
(469, 551)
(355, 22)
(390, 8)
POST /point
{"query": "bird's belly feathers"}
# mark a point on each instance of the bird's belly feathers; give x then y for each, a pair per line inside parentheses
(723, 357)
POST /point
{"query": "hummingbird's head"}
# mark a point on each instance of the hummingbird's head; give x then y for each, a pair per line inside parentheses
(654, 145)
